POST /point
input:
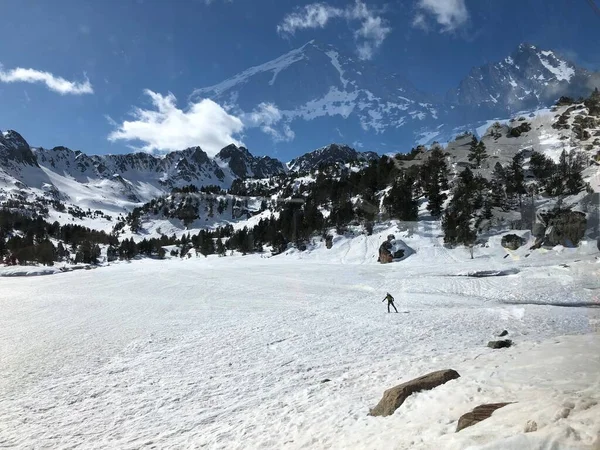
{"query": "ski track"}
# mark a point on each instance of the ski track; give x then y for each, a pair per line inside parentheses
(230, 352)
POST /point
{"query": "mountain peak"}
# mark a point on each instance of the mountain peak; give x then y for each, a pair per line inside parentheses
(15, 149)
(329, 154)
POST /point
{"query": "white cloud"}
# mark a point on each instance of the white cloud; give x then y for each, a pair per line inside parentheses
(52, 82)
(370, 34)
(266, 116)
(449, 14)
(420, 22)
(168, 128)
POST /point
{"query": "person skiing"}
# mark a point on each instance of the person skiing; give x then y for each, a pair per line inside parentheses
(390, 301)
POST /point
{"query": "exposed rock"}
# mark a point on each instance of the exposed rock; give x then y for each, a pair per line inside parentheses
(478, 414)
(512, 241)
(565, 228)
(394, 397)
(504, 343)
(531, 426)
(390, 250)
(328, 241)
(385, 255)
(502, 333)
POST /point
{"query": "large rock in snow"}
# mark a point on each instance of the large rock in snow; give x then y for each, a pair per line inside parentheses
(566, 228)
(393, 250)
(394, 397)
(512, 241)
(478, 414)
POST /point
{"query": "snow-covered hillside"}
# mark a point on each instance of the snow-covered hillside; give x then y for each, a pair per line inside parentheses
(254, 352)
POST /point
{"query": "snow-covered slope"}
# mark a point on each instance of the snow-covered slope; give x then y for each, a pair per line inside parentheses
(253, 352)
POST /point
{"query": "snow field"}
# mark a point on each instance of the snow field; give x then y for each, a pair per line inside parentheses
(232, 352)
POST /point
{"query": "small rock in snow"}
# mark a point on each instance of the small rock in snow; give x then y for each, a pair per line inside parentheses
(531, 426)
(504, 343)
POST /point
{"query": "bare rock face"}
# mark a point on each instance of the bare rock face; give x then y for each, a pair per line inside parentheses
(394, 397)
(566, 228)
(478, 414)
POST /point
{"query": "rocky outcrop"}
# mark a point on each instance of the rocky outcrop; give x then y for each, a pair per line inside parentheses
(388, 252)
(243, 164)
(478, 414)
(512, 241)
(394, 397)
(565, 228)
(385, 255)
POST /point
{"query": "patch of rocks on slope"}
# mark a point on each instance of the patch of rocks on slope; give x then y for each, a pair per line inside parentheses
(394, 397)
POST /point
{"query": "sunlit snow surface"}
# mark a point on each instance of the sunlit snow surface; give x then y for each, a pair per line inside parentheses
(231, 352)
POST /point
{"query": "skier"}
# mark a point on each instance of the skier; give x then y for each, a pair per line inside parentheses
(390, 301)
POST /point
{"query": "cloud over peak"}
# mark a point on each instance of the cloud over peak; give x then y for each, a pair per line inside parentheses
(449, 14)
(369, 28)
(167, 128)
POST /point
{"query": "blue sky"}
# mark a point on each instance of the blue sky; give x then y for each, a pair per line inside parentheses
(109, 52)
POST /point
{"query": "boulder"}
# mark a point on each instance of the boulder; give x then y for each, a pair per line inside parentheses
(385, 254)
(565, 228)
(512, 241)
(478, 414)
(393, 249)
(502, 333)
(394, 397)
(504, 343)
(328, 241)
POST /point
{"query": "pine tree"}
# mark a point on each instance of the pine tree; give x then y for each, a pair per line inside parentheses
(434, 180)
(400, 201)
(515, 177)
(220, 247)
(111, 253)
(498, 186)
(461, 218)
(477, 152)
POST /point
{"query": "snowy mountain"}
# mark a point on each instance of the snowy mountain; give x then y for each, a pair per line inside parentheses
(330, 154)
(338, 95)
(316, 94)
(242, 164)
(96, 188)
(61, 179)
(529, 78)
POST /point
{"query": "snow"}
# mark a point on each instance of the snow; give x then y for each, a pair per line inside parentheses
(275, 66)
(231, 352)
(26, 271)
(335, 102)
(427, 138)
(561, 71)
(334, 56)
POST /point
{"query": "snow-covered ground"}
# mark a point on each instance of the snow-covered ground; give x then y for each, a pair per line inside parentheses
(232, 352)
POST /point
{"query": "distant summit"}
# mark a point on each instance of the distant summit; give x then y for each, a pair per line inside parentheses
(330, 154)
(322, 95)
